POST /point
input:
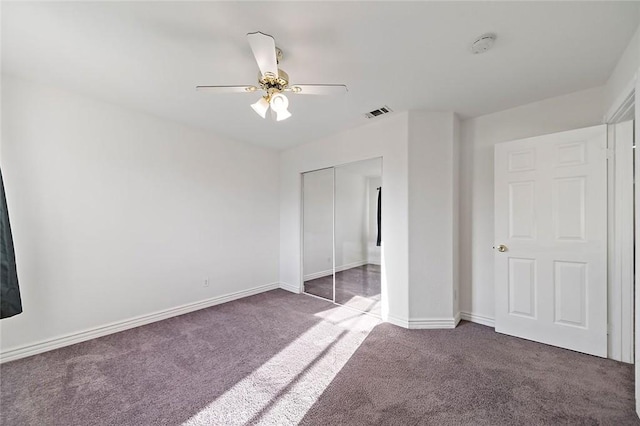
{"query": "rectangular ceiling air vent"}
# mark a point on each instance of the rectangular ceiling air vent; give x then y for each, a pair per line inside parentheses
(380, 111)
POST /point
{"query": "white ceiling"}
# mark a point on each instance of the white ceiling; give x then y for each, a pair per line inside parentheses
(151, 55)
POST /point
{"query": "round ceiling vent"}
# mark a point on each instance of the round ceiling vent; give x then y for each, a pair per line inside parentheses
(483, 43)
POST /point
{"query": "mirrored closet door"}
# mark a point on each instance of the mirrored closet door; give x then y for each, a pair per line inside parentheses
(358, 195)
(342, 235)
(317, 219)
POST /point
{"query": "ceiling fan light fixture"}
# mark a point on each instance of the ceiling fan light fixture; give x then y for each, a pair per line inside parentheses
(279, 103)
(261, 107)
(282, 115)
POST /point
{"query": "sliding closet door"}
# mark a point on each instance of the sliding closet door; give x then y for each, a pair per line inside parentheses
(317, 199)
(358, 235)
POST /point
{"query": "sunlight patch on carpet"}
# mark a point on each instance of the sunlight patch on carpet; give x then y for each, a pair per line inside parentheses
(284, 388)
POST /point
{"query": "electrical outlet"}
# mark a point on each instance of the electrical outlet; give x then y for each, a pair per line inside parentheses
(206, 282)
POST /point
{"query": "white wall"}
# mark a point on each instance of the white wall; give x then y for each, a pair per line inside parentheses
(478, 135)
(318, 223)
(385, 137)
(117, 214)
(351, 218)
(432, 215)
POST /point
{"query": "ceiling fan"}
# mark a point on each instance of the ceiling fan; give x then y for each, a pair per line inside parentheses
(273, 81)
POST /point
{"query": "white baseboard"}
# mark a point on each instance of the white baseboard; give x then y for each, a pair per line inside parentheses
(351, 265)
(290, 287)
(329, 272)
(478, 319)
(115, 327)
(400, 322)
(432, 323)
(320, 274)
(425, 323)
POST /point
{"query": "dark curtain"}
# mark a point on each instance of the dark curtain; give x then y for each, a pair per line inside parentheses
(379, 217)
(10, 302)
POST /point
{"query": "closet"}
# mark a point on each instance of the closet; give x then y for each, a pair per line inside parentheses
(342, 234)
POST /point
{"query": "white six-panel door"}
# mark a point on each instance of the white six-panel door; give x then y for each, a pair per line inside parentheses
(550, 219)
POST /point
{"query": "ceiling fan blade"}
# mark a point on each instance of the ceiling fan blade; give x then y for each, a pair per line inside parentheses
(318, 89)
(264, 50)
(227, 89)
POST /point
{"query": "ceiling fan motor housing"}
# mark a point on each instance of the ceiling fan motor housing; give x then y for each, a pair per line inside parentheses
(272, 83)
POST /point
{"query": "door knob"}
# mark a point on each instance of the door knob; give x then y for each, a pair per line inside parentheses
(502, 248)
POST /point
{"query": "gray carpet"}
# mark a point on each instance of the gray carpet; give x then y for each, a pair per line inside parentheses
(279, 358)
(357, 287)
(473, 376)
